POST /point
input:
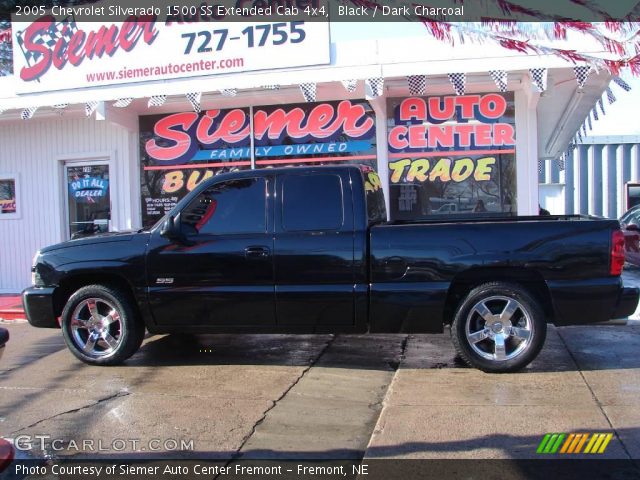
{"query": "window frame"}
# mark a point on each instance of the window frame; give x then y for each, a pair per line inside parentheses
(16, 185)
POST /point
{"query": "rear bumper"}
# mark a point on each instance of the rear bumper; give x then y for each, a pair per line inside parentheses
(627, 302)
(590, 301)
(38, 306)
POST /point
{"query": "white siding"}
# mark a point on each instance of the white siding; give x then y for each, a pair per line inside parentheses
(35, 149)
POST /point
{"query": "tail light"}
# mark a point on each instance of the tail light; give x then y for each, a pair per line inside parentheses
(617, 252)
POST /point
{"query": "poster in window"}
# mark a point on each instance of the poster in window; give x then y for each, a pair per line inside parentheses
(452, 155)
(8, 196)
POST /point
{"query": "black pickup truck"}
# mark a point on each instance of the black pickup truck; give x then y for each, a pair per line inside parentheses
(306, 250)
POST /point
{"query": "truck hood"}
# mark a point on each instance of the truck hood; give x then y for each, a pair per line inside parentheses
(101, 238)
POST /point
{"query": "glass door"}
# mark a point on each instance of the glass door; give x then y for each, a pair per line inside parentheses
(88, 199)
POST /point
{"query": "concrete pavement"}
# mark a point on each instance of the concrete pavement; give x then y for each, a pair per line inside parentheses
(324, 396)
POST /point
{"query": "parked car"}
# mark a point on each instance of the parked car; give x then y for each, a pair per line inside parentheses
(630, 224)
(309, 250)
(4, 338)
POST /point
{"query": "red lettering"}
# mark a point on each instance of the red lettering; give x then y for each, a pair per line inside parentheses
(182, 140)
(319, 118)
(442, 111)
(355, 121)
(483, 135)
(467, 103)
(398, 138)
(74, 48)
(417, 136)
(464, 132)
(413, 109)
(493, 105)
(503, 134)
(441, 136)
(39, 27)
(129, 34)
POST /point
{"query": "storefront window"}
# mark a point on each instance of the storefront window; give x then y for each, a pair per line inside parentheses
(452, 156)
(8, 197)
(178, 151)
(330, 133)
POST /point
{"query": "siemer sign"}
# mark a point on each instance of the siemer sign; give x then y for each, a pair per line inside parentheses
(57, 53)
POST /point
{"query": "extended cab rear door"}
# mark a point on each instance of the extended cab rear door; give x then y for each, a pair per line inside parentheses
(314, 248)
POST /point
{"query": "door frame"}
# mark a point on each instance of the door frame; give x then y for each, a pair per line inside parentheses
(81, 159)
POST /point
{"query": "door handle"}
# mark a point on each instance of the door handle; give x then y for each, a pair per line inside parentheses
(257, 252)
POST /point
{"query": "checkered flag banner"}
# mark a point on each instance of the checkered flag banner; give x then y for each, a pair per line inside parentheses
(374, 87)
(271, 87)
(561, 162)
(594, 111)
(27, 113)
(194, 100)
(582, 73)
(350, 85)
(539, 78)
(622, 84)
(540, 167)
(123, 102)
(157, 101)
(610, 96)
(229, 92)
(64, 29)
(589, 122)
(579, 135)
(584, 129)
(90, 107)
(458, 80)
(601, 105)
(309, 91)
(500, 79)
(417, 84)
(60, 108)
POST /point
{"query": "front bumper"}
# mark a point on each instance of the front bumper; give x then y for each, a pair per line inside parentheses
(4, 338)
(39, 307)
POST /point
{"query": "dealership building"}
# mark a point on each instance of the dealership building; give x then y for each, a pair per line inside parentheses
(95, 141)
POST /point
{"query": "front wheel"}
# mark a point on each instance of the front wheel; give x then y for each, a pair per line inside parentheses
(100, 325)
(499, 327)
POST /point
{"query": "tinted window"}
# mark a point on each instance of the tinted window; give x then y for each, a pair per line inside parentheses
(376, 208)
(236, 206)
(311, 202)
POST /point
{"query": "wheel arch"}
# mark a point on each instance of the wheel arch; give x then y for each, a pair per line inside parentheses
(466, 281)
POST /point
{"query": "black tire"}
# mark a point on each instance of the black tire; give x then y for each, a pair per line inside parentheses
(513, 348)
(123, 329)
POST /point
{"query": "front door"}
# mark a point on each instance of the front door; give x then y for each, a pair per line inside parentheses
(222, 271)
(88, 199)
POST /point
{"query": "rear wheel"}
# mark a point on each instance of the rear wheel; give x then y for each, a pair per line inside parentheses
(498, 327)
(100, 325)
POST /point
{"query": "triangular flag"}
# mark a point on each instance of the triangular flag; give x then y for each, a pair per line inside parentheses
(309, 91)
(594, 111)
(582, 73)
(458, 80)
(589, 122)
(194, 100)
(540, 167)
(374, 87)
(417, 84)
(560, 161)
(229, 92)
(539, 78)
(60, 108)
(622, 84)
(123, 102)
(601, 105)
(157, 101)
(90, 107)
(500, 79)
(350, 85)
(271, 87)
(610, 96)
(28, 113)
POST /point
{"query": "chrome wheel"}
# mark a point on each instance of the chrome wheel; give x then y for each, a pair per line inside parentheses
(96, 327)
(499, 328)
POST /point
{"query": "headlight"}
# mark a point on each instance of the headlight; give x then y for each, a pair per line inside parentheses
(35, 276)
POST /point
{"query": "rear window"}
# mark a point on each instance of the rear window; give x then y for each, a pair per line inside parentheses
(376, 208)
(312, 202)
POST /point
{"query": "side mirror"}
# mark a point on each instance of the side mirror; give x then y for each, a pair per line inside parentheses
(632, 227)
(4, 338)
(171, 229)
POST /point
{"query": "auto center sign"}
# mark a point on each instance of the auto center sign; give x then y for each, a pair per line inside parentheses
(57, 52)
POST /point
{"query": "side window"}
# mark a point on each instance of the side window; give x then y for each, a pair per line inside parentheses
(236, 206)
(312, 202)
